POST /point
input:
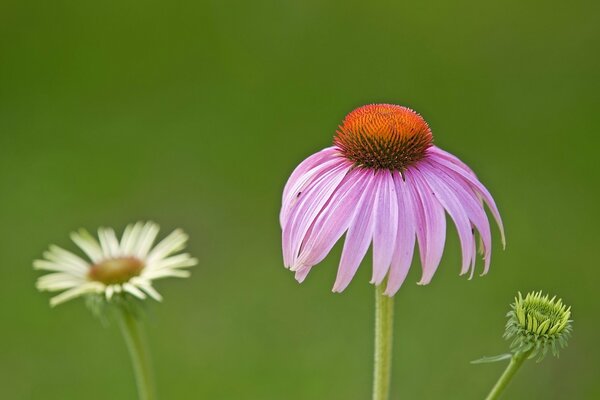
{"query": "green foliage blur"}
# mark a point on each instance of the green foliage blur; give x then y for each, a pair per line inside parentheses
(193, 114)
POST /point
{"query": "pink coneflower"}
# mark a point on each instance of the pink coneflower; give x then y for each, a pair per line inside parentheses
(383, 182)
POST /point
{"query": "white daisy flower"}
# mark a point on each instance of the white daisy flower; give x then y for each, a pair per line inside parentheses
(126, 266)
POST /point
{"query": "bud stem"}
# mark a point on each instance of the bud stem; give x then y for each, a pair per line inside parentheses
(514, 365)
(138, 351)
(384, 324)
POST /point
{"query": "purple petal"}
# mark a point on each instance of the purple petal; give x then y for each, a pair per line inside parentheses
(447, 198)
(431, 225)
(405, 238)
(359, 235)
(303, 214)
(309, 171)
(308, 164)
(302, 273)
(386, 225)
(477, 186)
(449, 157)
(333, 220)
(473, 206)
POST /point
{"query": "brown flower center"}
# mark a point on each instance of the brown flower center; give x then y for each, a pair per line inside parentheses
(383, 136)
(116, 270)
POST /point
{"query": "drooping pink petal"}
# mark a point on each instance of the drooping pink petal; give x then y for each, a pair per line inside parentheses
(447, 198)
(304, 183)
(436, 151)
(360, 233)
(405, 238)
(307, 165)
(385, 216)
(473, 206)
(473, 260)
(302, 273)
(333, 220)
(431, 225)
(304, 175)
(443, 163)
(310, 203)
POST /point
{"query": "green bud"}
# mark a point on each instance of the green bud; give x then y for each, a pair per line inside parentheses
(538, 324)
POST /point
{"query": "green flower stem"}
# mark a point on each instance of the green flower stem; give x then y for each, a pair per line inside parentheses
(138, 351)
(384, 324)
(515, 363)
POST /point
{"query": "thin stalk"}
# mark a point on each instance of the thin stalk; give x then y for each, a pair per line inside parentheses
(515, 363)
(138, 352)
(384, 324)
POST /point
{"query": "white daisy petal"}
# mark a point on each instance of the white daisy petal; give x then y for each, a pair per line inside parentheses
(178, 261)
(169, 245)
(109, 242)
(88, 244)
(58, 281)
(151, 291)
(103, 243)
(164, 273)
(129, 288)
(125, 237)
(89, 287)
(53, 266)
(130, 239)
(62, 256)
(56, 277)
(146, 239)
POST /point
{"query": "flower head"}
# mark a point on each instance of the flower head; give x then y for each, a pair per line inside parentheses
(383, 182)
(126, 266)
(383, 136)
(538, 324)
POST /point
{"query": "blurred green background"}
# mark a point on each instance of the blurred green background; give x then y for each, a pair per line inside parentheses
(193, 114)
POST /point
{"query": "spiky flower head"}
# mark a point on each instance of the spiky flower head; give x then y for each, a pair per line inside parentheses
(538, 324)
(384, 136)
